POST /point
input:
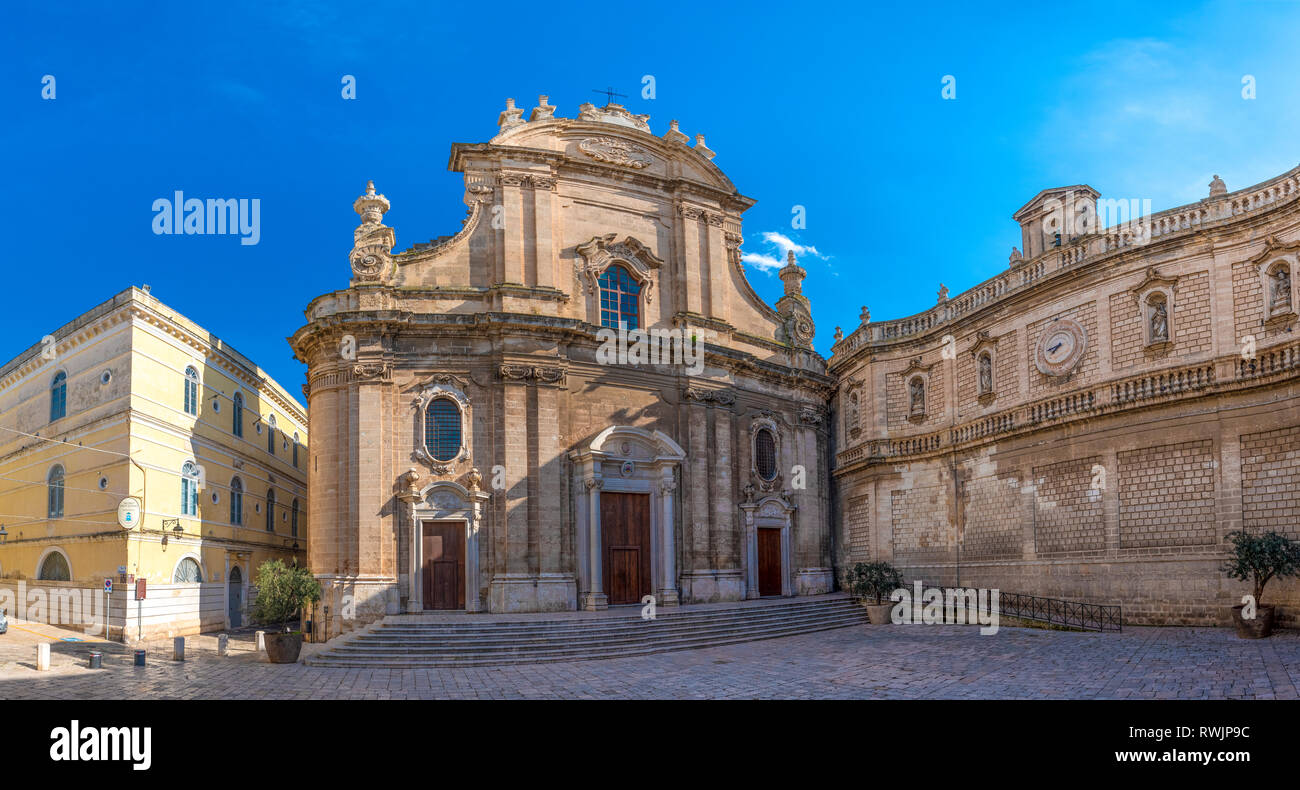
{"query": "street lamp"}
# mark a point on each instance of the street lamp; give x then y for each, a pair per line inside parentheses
(4, 534)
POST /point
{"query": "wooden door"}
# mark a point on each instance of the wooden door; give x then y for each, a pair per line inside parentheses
(625, 539)
(236, 584)
(769, 561)
(444, 565)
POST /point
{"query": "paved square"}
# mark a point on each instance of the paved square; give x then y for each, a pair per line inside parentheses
(948, 662)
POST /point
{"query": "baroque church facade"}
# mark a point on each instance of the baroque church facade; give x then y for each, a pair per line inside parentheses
(1088, 424)
(482, 450)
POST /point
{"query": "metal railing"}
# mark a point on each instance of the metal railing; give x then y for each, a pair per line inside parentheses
(1054, 611)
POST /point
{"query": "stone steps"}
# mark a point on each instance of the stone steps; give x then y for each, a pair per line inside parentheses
(404, 642)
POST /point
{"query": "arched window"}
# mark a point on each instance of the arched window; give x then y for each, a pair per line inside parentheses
(270, 510)
(236, 502)
(59, 396)
(619, 298)
(54, 568)
(55, 494)
(189, 489)
(191, 390)
(765, 454)
(293, 519)
(187, 572)
(442, 429)
(270, 434)
(237, 414)
(295, 450)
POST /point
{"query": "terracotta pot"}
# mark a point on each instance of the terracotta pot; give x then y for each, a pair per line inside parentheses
(283, 648)
(1257, 628)
(879, 613)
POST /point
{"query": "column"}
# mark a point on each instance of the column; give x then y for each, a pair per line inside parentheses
(668, 552)
(751, 555)
(595, 598)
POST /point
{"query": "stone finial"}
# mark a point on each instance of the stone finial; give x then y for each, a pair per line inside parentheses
(839, 334)
(1217, 187)
(511, 116)
(703, 149)
(943, 293)
(674, 135)
(865, 315)
(543, 111)
(475, 477)
(371, 206)
(372, 241)
(410, 490)
(792, 275)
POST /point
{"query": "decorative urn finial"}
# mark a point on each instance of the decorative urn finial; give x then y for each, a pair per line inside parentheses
(1217, 187)
(372, 241)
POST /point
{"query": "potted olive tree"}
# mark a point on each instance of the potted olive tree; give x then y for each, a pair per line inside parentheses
(874, 581)
(283, 591)
(1259, 559)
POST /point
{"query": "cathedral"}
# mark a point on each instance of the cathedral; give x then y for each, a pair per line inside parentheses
(491, 441)
(578, 400)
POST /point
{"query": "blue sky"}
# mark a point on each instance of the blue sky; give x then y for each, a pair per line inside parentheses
(836, 108)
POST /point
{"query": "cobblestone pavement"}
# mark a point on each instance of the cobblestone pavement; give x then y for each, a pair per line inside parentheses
(856, 662)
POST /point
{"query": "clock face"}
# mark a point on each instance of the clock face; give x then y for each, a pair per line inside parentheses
(1060, 348)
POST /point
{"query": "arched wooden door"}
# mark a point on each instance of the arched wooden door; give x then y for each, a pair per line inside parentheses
(236, 597)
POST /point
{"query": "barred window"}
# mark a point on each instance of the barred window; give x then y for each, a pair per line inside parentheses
(55, 493)
(619, 295)
(59, 396)
(191, 391)
(442, 429)
(765, 454)
(55, 568)
(236, 502)
(187, 572)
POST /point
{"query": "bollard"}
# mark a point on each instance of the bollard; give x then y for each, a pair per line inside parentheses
(261, 641)
(139, 658)
(96, 660)
(43, 657)
(178, 649)
(223, 645)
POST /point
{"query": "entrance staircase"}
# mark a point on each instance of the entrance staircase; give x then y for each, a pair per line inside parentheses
(418, 641)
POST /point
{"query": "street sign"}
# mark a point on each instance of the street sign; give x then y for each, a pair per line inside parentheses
(140, 587)
(108, 585)
(128, 512)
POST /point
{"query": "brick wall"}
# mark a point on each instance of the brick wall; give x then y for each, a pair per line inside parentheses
(920, 524)
(1166, 496)
(857, 525)
(1067, 509)
(993, 514)
(1270, 481)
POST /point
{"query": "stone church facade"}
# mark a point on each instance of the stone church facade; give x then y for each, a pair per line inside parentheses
(497, 433)
(490, 433)
(1090, 423)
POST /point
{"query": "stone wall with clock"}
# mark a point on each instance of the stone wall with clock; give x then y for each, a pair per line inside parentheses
(499, 323)
(1097, 417)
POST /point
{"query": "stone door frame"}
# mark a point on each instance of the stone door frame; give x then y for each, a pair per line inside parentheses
(445, 500)
(599, 466)
(774, 511)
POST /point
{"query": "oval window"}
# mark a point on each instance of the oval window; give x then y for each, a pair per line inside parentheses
(442, 429)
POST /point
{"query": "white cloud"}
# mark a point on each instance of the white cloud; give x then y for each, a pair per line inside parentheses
(771, 261)
(786, 244)
(762, 262)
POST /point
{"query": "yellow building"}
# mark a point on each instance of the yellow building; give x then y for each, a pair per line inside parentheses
(132, 399)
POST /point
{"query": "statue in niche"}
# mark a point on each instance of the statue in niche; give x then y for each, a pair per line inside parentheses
(916, 397)
(1280, 290)
(1159, 322)
(986, 374)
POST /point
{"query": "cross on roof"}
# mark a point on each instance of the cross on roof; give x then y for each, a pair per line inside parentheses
(610, 92)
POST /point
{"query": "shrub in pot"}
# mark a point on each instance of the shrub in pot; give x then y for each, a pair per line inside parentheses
(283, 591)
(874, 581)
(1259, 559)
